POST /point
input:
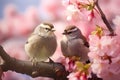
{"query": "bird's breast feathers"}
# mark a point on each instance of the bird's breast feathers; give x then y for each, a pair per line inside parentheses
(64, 39)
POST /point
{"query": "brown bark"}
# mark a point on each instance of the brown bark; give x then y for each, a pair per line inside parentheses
(44, 69)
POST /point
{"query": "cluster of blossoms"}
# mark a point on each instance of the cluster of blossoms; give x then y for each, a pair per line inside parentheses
(105, 54)
(80, 71)
(77, 9)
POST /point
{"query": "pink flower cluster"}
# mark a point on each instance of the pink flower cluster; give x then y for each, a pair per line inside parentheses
(76, 10)
(77, 76)
(105, 56)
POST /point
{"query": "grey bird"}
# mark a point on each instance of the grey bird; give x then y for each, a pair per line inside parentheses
(74, 43)
(42, 43)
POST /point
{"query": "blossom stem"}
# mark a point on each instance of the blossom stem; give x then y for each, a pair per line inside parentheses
(104, 18)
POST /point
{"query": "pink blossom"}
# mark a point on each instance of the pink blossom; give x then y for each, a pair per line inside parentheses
(72, 76)
(70, 65)
(91, 16)
(73, 13)
(77, 76)
(105, 56)
(116, 20)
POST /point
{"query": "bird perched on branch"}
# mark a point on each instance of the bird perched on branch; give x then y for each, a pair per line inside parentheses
(74, 44)
(42, 43)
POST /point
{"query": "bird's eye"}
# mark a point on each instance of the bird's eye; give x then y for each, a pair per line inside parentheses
(47, 29)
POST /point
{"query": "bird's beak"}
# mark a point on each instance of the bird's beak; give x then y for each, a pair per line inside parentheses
(65, 32)
(52, 30)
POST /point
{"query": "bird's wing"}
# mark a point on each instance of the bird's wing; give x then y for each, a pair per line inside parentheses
(85, 41)
(77, 48)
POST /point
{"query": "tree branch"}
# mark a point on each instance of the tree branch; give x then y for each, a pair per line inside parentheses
(104, 18)
(45, 69)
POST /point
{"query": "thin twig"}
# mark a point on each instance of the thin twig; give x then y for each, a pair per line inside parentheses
(104, 18)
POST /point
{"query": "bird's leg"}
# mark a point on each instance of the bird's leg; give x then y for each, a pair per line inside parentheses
(34, 61)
